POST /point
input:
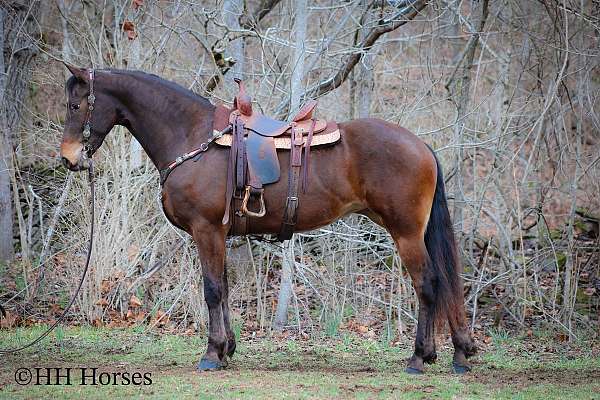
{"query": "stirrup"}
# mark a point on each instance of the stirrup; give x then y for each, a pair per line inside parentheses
(249, 213)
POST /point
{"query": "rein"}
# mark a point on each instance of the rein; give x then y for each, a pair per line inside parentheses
(90, 167)
(62, 317)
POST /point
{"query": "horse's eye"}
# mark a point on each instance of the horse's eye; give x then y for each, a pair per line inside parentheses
(74, 106)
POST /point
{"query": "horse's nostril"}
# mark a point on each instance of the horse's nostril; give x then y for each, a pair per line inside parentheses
(66, 162)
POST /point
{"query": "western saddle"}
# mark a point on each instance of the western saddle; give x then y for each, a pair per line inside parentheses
(254, 139)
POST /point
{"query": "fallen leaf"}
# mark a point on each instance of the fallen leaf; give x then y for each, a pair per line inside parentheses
(134, 301)
(129, 28)
(9, 321)
(55, 308)
(105, 286)
(102, 303)
(160, 318)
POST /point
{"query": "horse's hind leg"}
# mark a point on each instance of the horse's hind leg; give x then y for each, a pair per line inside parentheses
(461, 339)
(413, 254)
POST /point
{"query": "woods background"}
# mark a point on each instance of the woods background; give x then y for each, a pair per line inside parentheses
(506, 92)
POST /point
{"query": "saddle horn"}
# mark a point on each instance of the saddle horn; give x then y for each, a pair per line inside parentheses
(242, 101)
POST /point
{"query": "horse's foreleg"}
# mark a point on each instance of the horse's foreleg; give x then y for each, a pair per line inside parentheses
(226, 319)
(211, 249)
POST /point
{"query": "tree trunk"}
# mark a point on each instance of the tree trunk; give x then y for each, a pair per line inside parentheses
(286, 288)
(19, 30)
(298, 60)
(6, 213)
(232, 10)
(287, 270)
(135, 148)
(362, 80)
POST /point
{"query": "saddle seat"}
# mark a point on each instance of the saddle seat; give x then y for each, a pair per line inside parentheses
(266, 126)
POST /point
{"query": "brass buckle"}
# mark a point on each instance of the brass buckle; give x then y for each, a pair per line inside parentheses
(249, 213)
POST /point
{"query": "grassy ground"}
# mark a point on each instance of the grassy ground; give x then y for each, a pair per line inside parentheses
(348, 367)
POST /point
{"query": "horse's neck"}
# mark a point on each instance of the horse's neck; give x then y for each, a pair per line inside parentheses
(167, 125)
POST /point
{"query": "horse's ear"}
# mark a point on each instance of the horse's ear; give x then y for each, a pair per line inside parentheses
(79, 73)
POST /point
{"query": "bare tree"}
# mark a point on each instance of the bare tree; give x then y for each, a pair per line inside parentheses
(232, 11)
(297, 67)
(18, 42)
(459, 86)
(519, 139)
(6, 212)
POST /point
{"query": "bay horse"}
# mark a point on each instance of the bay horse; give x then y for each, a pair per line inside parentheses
(378, 169)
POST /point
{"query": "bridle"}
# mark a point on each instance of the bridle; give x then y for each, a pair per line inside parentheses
(87, 126)
(90, 166)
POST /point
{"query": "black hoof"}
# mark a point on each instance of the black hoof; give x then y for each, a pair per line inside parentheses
(413, 371)
(209, 365)
(460, 369)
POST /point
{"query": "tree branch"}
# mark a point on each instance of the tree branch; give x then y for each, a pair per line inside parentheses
(406, 14)
(251, 22)
(247, 23)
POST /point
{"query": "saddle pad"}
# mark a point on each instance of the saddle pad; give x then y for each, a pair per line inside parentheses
(285, 142)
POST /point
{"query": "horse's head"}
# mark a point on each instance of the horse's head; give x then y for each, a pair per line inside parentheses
(91, 114)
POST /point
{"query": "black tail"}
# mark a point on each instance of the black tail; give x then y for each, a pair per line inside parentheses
(444, 264)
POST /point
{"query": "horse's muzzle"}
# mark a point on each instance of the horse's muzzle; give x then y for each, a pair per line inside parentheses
(81, 165)
(74, 156)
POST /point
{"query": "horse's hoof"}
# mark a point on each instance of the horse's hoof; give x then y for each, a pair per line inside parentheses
(209, 365)
(413, 371)
(460, 369)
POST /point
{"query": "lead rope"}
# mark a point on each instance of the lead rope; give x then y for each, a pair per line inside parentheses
(85, 269)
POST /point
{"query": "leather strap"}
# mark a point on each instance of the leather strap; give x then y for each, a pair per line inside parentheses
(236, 180)
(239, 226)
(290, 213)
(240, 166)
(231, 173)
(305, 167)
